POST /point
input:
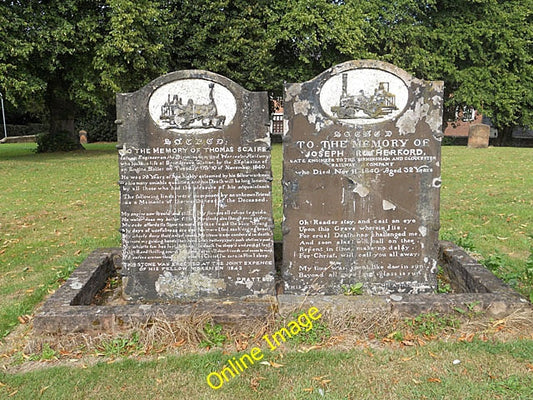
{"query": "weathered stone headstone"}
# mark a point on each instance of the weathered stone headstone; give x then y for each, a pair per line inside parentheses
(195, 184)
(83, 136)
(478, 136)
(361, 181)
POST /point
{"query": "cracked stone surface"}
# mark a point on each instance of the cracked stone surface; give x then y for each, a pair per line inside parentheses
(361, 181)
(195, 186)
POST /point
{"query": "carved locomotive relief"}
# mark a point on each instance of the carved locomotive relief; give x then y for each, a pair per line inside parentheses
(192, 105)
(184, 116)
(363, 96)
(381, 103)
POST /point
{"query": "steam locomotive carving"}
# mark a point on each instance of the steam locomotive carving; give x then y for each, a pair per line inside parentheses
(381, 103)
(190, 115)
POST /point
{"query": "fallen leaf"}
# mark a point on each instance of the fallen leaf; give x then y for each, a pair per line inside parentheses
(275, 364)
(530, 367)
(13, 393)
(467, 338)
(180, 343)
(308, 349)
(434, 380)
(408, 343)
(43, 389)
(407, 358)
(255, 381)
(416, 382)
(319, 378)
(310, 390)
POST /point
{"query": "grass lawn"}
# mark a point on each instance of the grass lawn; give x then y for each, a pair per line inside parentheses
(55, 209)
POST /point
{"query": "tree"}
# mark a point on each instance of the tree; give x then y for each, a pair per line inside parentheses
(489, 58)
(62, 56)
(312, 35)
(70, 55)
(482, 49)
(229, 37)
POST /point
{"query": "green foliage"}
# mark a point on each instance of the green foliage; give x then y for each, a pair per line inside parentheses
(317, 335)
(121, 346)
(397, 336)
(353, 290)
(46, 354)
(213, 336)
(529, 266)
(494, 262)
(443, 282)
(25, 130)
(465, 241)
(471, 310)
(81, 52)
(60, 141)
(432, 324)
(529, 273)
(135, 47)
(99, 127)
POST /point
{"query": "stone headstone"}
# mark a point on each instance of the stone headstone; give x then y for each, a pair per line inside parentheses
(361, 181)
(478, 136)
(195, 184)
(83, 136)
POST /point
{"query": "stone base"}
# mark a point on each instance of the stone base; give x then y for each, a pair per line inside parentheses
(19, 139)
(69, 309)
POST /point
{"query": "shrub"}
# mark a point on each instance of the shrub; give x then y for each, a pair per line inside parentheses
(60, 141)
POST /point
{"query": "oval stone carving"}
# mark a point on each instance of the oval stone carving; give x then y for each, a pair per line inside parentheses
(363, 96)
(192, 105)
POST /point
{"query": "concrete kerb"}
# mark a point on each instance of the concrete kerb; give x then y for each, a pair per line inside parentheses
(69, 309)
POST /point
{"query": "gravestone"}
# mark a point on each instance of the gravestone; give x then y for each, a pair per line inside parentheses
(361, 181)
(195, 185)
(83, 136)
(478, 136)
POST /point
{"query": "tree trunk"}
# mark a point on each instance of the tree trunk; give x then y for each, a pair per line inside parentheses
(61, 110)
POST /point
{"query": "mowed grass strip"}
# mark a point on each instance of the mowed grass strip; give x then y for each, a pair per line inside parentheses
(476, 370)
(487, 203)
